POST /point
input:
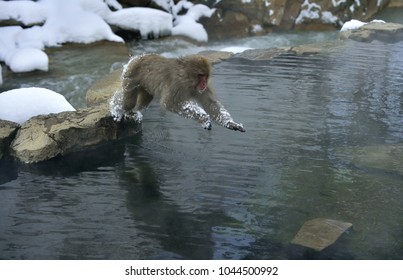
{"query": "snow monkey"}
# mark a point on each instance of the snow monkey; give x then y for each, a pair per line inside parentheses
(181, 85)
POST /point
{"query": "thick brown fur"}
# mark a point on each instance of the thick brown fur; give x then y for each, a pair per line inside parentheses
(182, 85)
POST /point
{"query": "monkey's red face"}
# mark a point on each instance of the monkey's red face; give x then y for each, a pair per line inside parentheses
(202, 84)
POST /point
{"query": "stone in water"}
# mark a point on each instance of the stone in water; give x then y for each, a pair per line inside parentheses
(319, 234)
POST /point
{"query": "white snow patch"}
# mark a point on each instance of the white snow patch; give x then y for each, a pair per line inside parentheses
(355, 24)
(167, 5)
(352, 25)
(328, 17)
(19, 105)
(114, 4)
(378, 21)
(146, 20)
(28, 59)
(28, 12)
(256, 28)
(187, 24)
(336, 3)
(235, 49)
(309, 11)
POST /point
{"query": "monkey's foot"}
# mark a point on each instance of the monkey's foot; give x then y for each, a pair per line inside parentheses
(235, 126)
(136, 116)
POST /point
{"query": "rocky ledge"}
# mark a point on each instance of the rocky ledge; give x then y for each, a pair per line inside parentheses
(48, 136)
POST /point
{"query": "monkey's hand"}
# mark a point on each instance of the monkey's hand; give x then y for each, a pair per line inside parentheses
(206, 125)
(235, 126)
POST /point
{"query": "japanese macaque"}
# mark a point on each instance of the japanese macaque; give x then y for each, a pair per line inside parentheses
(182, 86)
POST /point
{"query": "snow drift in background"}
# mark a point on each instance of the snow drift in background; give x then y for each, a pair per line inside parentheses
(355, 24)
(19, 105)
(87, 21)
(148, 21)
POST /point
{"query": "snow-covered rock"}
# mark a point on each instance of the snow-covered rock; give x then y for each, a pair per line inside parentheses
(186, 24)
(352, 25)
(147, 21)
(19, 105)
(374, 30)
(28, 59)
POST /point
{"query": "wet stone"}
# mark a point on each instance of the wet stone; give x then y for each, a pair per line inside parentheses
(7, 133)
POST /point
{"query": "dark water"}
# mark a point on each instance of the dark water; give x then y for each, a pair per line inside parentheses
(324, 139)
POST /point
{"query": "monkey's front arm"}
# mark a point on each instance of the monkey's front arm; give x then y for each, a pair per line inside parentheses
(192, 110)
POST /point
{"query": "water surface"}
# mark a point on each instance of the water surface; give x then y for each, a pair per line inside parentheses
(324, 139)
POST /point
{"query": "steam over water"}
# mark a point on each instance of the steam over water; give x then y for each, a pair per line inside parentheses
(324, 139)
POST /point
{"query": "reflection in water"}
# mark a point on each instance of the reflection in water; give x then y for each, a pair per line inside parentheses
(324, 140)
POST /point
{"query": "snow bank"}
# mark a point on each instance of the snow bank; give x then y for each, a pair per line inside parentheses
(19, 105)
(186, 24)
(28, 59)
(146, 20)
(87, 21)
(63, 21)
(27, 12)
(84, 21)
(351, 25)
(355, 24)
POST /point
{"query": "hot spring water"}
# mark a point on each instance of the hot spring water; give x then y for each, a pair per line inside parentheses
(324, 140)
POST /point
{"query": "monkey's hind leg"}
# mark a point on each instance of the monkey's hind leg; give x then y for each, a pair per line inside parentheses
(143, 99)
(130, 99)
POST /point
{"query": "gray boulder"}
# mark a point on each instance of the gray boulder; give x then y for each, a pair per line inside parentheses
(48, 136)
(7, 133)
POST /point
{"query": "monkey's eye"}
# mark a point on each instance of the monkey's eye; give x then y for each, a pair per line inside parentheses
(202, 76)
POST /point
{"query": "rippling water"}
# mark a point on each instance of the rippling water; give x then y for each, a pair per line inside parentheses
(324, 139)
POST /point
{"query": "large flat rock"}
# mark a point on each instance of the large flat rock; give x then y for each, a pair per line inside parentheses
(48, 136)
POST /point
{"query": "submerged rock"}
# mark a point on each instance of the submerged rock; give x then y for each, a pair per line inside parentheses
(47, 136)
(318, 234)
(7, 132)
(263, 54)
(216, 56)
(386, 158)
